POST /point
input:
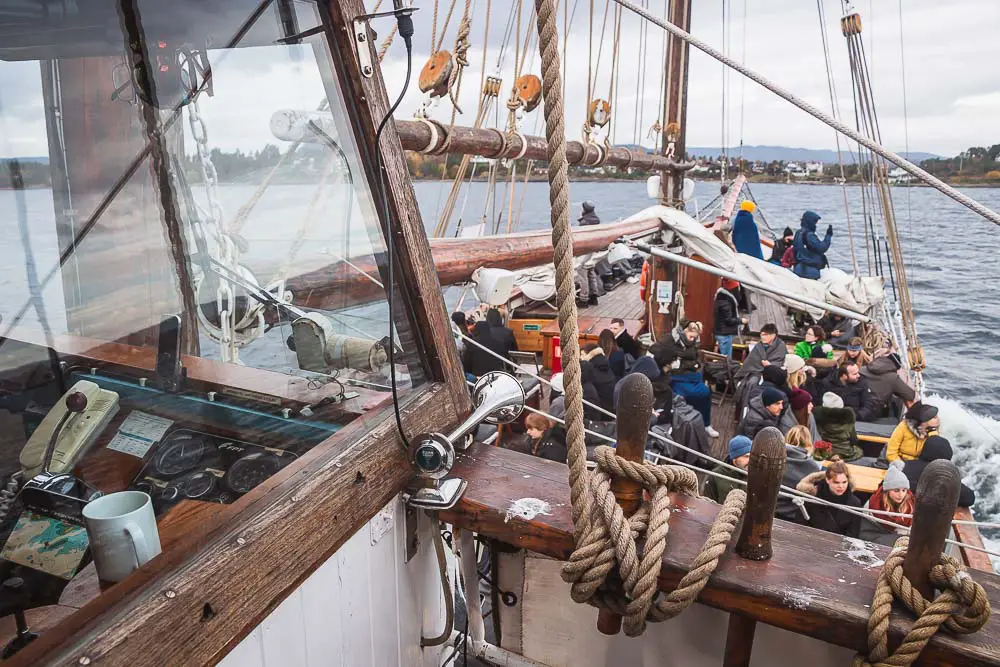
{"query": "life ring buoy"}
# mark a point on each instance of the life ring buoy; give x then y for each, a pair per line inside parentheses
(643, 280)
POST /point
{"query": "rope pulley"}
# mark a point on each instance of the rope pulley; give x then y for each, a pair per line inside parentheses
(529, 90)
(851, 25)
(436, 74)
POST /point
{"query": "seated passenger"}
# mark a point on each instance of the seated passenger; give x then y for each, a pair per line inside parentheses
(849, 384)
(836, 425)
(799, 463)
(770, 350)
(535, 428)
(814, 347)
(763, 411)
(678, 356)
(602, 377)
(892, 495)
(557, 400)
(856, 353)
(718, 488)
(935, 448)
(907, 440)
(885, 381)
(832, 485)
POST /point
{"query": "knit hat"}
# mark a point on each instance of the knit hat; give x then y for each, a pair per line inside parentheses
(832, 400)
(739, 446)
(770, 396)
(729, 283)
(776, 375)
(557, 382)
(788, 232)
(747, 205)
(921, 413)
(894, 477)
(794, 363)
(800, 399)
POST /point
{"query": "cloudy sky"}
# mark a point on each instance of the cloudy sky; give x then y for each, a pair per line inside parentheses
(951, 50)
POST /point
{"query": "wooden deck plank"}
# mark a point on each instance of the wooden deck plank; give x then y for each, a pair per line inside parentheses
(770, 311)
(817, 583)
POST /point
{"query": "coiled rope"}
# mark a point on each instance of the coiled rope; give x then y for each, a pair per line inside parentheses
(603, 536)
(962, 608)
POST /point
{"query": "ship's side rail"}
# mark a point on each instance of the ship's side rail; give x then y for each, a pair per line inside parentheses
(816, 584)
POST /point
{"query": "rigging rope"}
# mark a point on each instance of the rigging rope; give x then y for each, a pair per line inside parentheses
(962, 608)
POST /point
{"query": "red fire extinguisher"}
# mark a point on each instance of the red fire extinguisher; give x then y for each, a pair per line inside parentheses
(556, 355)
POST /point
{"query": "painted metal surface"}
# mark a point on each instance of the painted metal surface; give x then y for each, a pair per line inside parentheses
(363, 606)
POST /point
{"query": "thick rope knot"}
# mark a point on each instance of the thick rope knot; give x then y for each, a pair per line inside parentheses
(610, 541)
(961, 608)
(461, 57)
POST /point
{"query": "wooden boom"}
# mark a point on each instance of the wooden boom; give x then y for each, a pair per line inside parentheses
(341, 285)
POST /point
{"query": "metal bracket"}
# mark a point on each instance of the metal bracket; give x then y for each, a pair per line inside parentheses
(362, 38)
(411, 543)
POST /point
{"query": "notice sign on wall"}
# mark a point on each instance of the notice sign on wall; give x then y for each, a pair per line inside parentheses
(664, 295)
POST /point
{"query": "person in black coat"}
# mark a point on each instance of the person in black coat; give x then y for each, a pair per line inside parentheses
(727, 318)
(478, 361)
(587, 215)
(603, 378)
(852, 387)
(935, 448)
(504, 336)
(781, 245)
(587, 374)
(624, 339)
(832, 485)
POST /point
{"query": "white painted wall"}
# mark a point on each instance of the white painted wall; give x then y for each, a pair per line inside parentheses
(362, 607)
(547, 626)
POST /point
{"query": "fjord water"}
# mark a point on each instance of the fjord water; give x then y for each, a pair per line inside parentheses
(951, 264)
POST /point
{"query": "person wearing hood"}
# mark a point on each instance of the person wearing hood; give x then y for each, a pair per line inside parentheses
(727, 318)
(834, 486)
(908, 438)
(770, 350)
(502, 333)
(799, 463)
(587, 215)
(936, 448)
(602, 377)
(645, 365)
(810, 252)
(885, 382)
(781, 245)
(678, 356)
(718, 488)
(746, 237)
(763, 411)
(892, 495)
(836, 425)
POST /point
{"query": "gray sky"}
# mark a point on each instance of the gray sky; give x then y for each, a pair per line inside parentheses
(952, 85)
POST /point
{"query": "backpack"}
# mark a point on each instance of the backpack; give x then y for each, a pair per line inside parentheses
(788, 258)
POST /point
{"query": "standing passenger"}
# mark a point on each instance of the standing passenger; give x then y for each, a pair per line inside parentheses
(810, 252)
(746, 237)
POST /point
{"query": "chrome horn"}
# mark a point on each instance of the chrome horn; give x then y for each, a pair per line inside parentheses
(498, 399)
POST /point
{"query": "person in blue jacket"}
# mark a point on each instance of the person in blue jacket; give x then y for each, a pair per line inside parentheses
(746, 238)
(810, 252)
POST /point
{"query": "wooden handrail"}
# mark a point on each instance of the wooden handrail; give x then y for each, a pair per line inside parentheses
(817, 583)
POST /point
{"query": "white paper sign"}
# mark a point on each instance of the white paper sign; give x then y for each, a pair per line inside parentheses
(664, 291)
(138, 433)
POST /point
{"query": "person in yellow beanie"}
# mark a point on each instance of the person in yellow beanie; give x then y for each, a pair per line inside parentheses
(746, 237)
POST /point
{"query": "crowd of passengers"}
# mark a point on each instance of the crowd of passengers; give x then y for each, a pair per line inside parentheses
(813, 400)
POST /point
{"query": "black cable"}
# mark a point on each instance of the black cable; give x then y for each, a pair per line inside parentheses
(405, 24)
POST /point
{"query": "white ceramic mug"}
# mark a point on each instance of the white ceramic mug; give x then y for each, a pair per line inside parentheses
(122, 531)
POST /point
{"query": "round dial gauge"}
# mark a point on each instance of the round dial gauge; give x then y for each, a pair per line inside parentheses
(179, 454)
(195, 485)
(246, 473)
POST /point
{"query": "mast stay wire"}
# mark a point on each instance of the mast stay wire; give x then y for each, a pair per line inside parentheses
(743, 80)
(835, 110)
(914, 170)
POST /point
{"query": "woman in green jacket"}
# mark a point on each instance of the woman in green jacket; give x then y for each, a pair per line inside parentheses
(814, 346)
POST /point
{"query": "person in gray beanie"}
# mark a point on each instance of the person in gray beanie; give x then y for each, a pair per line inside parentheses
(895, 496)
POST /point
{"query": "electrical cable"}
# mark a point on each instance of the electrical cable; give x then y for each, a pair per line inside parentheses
(405, 23)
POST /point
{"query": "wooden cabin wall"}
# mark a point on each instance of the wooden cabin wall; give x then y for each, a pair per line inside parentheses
(363, 606)
(123, 266)
(699, 289)
(547, 626)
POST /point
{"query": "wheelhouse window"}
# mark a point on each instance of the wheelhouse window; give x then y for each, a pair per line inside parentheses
(190, 242)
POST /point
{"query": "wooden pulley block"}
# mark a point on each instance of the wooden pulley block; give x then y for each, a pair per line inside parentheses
(599, 113)
(851, 25)
(529, 89)
(435, 74)
(673, 131)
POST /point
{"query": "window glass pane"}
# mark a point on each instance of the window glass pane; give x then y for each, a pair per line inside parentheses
(181, 176)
